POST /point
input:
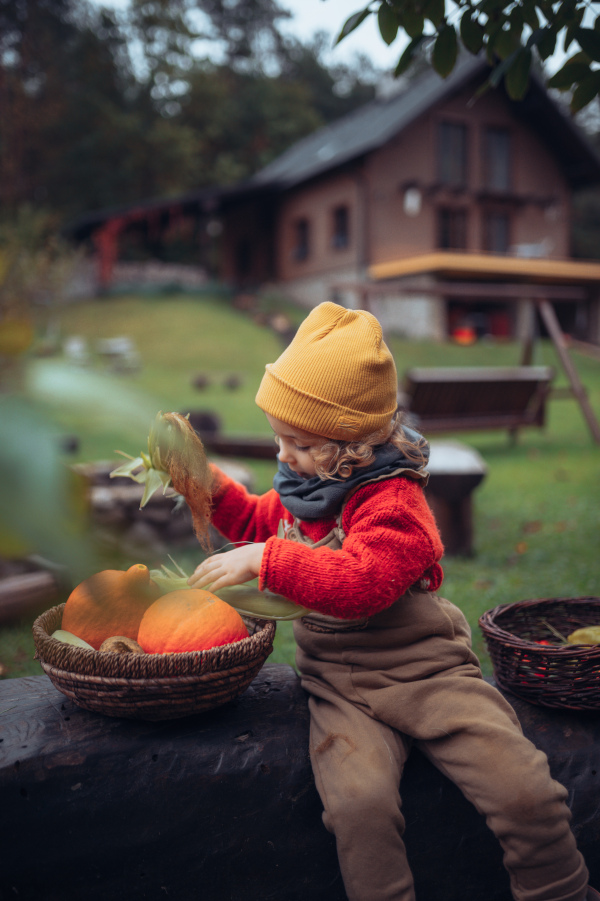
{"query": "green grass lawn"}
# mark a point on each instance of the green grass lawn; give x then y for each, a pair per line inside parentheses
(537, 513)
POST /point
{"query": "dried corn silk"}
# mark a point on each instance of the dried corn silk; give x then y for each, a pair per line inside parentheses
(184, 458)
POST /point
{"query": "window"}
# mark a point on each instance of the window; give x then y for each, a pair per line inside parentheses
(341, 228)
(496, 163)
(496, 232)
(452, 229)
(301, 239)
(452, 150)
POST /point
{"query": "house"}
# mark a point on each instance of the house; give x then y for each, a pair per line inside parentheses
(434, 205)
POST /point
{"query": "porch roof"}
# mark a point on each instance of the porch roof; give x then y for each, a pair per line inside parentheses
(487, 266)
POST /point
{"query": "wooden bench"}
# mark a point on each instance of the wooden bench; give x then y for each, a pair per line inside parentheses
(223, 807)
(455, 471)
(450, 399)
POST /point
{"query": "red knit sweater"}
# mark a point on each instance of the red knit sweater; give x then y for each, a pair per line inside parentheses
(391, 543)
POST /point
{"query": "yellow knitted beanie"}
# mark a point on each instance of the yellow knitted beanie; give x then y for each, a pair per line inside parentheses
(337, 378)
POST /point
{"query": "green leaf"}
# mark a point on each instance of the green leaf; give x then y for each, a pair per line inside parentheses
(517, 77)
(530, 14)
(504, 43)
(471, 33)
(489, 7)
(412, 21)
(445, 51)
(152, 483)
(387, 22)
(585, 91)
(408, 55)
(352, 23)
(546, 44)
(573, 71)
(434, 10)
(589, 41)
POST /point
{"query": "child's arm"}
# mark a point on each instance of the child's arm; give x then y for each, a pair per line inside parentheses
(391, 543)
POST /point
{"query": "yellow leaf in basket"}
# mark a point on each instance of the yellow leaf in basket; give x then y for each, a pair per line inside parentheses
(589, 636)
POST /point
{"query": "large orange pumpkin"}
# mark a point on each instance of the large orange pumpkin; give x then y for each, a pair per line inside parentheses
(190, 619)
(111, 602)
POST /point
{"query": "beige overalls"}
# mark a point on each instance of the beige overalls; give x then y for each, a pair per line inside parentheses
(406, 675)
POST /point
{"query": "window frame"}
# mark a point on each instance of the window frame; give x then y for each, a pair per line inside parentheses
(502, 185)
(301, 244)
(340, 237)
(456, 213)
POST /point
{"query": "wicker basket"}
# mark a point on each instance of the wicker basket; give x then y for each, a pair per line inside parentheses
(150, 686)
(566, 676)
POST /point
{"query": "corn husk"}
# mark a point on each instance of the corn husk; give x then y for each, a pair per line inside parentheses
(590, 635)
(175, 458)
(246, 599)
(250, 601)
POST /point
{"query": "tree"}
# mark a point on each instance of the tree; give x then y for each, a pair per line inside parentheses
(512, 34)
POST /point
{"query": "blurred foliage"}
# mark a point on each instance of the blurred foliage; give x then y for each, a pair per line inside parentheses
(513, 36)
(36, 265)
(44, 509)
(103, 108)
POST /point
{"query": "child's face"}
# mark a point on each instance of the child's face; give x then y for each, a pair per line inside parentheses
(295, 447)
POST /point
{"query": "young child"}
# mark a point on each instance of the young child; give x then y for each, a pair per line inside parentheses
(385, 660)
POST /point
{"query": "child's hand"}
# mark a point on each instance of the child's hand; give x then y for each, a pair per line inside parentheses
(231, 568)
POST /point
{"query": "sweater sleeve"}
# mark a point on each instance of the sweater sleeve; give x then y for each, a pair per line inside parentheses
(241, 516)
(392, 542)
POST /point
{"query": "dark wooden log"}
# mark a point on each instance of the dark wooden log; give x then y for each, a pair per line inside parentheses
(29, 593)
(222, 806)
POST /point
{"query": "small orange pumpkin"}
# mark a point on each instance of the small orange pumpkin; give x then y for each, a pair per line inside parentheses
(111, 602)
(189, 619)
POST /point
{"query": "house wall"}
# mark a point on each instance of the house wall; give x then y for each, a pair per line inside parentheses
(310, 280)
(538, 201)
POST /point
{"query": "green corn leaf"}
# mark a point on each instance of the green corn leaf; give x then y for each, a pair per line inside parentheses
(250, 601)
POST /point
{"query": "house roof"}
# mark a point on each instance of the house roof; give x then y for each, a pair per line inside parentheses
(377, 122)
(370, 127)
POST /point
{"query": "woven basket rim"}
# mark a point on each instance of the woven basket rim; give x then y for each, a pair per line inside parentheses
(552, 675)
(92, 663)
(491, 629)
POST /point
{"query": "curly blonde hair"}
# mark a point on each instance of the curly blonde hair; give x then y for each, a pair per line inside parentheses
(337, 460)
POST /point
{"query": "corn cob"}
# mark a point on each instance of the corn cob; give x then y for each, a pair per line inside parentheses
(175, 458)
